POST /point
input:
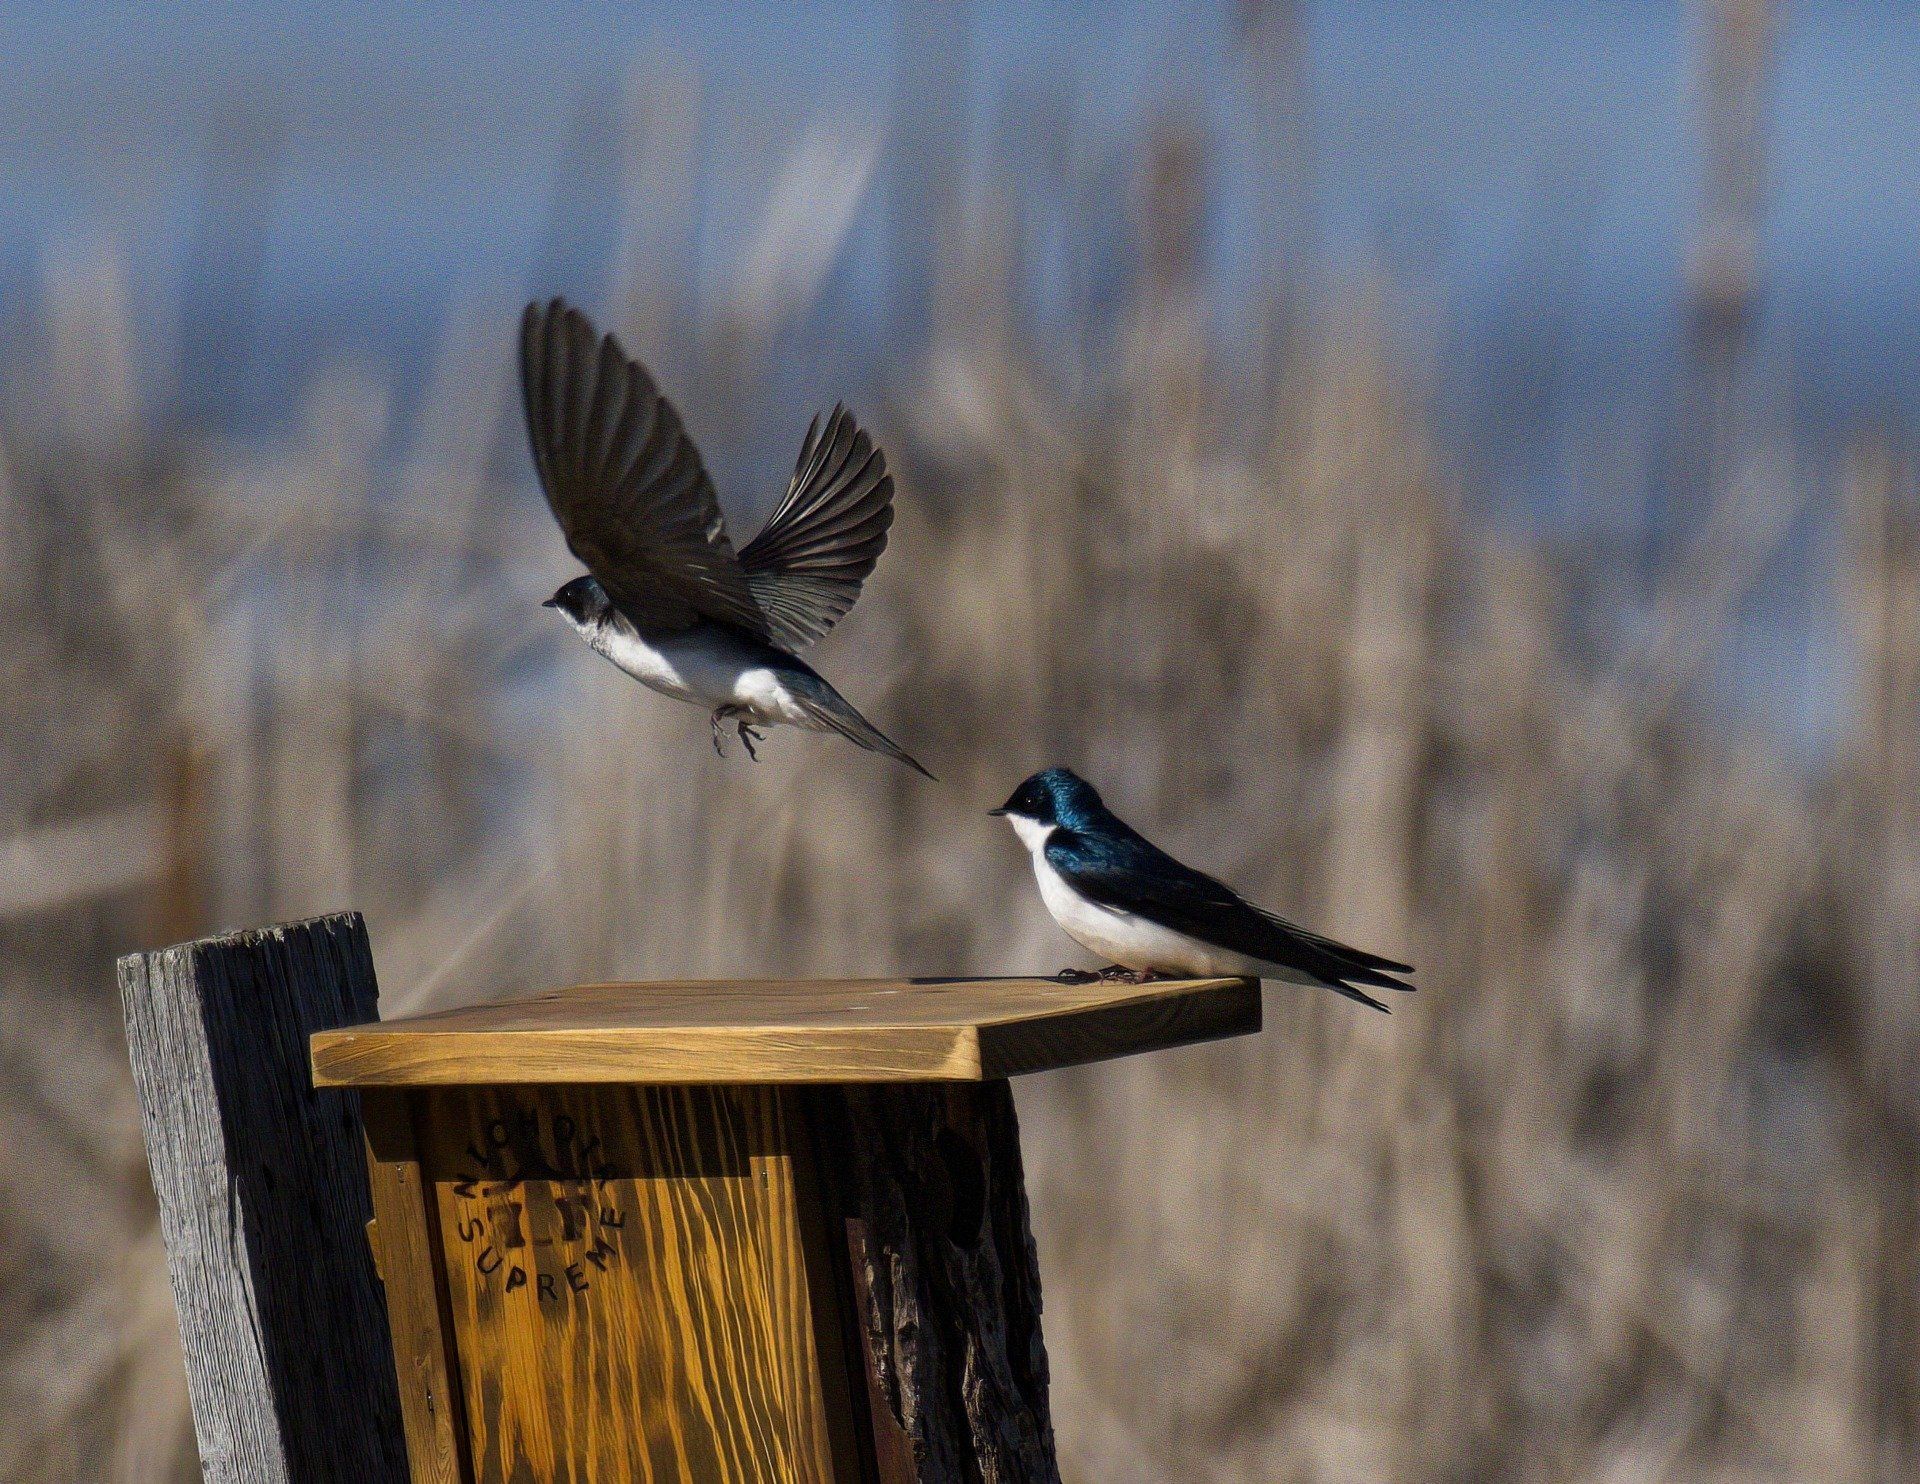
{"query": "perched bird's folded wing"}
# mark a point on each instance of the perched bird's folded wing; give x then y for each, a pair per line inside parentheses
(806, 566)
(1339, 950)
(624, 479)
(1131, 874)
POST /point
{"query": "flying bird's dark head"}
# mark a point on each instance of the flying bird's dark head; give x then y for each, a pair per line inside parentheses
(582, 602)
(1057, 796)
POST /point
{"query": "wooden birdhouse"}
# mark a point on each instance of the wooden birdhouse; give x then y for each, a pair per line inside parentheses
(727, 1230)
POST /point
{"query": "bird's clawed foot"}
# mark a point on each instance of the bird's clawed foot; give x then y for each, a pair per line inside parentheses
(749, 734)
(1111, 974)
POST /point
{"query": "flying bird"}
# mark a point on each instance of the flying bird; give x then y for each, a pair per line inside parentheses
(1117, 893)
(666, 597)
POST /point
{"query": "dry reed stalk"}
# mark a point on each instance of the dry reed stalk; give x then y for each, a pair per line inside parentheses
(1627, 1192)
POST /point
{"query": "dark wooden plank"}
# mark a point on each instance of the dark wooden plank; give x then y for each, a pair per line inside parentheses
(1205, 1010)
(806, 1031)
(946, 1285)
(263, 1201)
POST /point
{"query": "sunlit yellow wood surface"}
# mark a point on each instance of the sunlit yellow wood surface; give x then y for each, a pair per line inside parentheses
(632, 1293)
(828, 1030)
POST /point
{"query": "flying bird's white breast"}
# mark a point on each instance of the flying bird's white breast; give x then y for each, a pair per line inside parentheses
(707, 665)
(670, 666)
(1125, 938)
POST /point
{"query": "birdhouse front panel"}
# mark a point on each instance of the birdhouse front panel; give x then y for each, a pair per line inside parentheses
(636, 1283)
(724, 1230)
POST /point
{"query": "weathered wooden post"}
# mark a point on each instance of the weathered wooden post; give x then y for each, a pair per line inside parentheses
(725, 1231)
(262, 1201)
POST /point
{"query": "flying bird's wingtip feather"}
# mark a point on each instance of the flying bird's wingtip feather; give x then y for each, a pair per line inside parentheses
(625, 480)
(808, 563)
(540, 313)
(533, 325)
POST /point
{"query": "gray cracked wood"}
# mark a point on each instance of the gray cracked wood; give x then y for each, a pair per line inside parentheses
(263, 1201)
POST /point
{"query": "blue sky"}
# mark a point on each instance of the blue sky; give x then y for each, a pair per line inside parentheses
(1516, 169)
(419, 140)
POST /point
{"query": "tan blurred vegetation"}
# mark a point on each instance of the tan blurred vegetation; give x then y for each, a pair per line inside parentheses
(1628, 1192)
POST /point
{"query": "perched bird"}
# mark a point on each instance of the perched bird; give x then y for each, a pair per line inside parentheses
(1116, 892)
(667, 599)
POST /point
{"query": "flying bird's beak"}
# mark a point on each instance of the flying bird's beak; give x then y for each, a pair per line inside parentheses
(997, 813)
(550, 603)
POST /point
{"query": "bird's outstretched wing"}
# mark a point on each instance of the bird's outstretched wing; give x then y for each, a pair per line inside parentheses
(624, 479)
(1131, 874)
(806, 566)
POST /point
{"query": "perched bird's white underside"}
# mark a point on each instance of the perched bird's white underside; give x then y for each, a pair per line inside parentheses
(1126, 938)
(706, 665)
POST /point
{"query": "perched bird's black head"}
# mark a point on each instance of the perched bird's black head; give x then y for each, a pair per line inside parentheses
(583, 601)
(1056, 796)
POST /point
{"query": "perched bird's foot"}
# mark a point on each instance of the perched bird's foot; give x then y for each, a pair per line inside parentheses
(1076, 976)
(1120, 974)
(748, 736)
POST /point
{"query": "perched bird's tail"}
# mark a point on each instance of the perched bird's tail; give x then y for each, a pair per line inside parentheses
(1339, 967)
(832, 712)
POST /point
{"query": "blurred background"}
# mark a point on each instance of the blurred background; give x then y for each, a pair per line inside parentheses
(1446, 467)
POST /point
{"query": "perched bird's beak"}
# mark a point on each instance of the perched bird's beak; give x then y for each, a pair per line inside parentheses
(550, 603)
(996, 813)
